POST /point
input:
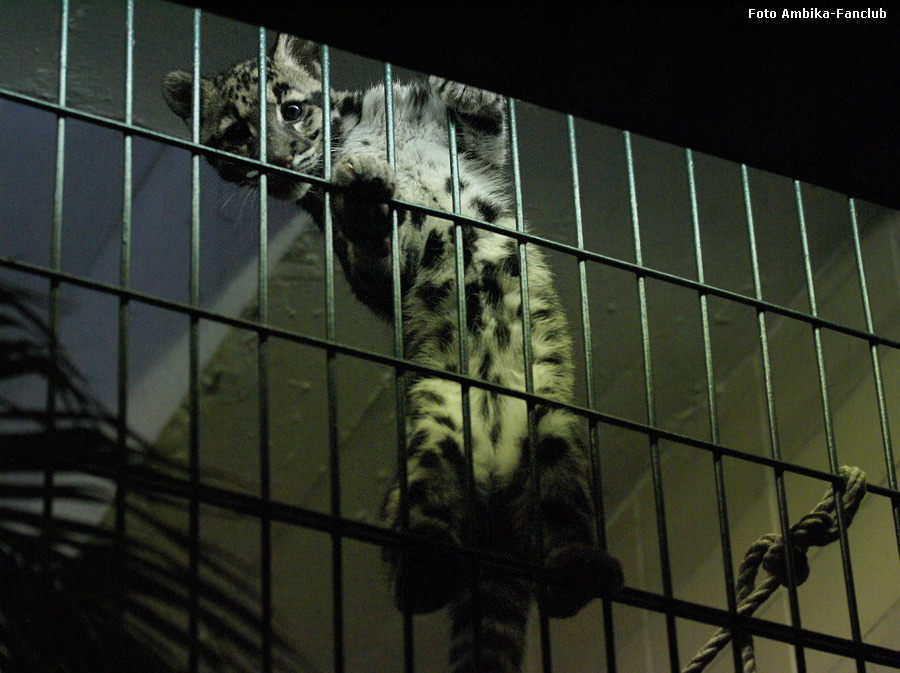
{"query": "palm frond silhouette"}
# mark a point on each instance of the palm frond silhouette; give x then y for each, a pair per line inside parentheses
(80, 595)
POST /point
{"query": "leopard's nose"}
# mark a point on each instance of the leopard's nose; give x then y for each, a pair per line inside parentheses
(276, 158)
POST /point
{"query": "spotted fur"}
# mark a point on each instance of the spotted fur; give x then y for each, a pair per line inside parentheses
(491, 611)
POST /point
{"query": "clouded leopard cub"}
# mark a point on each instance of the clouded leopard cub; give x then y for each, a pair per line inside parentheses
(501, 518)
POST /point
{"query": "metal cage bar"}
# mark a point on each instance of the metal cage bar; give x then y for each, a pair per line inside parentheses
(465, 389)
(400, 381)
(831, 449)
(593, 430)
(125, 266)
(119, 498)
(56, 254)
(655, 463)
(718, 467)
(528, 357)
(330, 375)
(262, 372)
(775, 445)
(194, 366)
(883, 422)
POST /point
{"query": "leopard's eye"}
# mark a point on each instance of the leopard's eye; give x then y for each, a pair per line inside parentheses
(291, 112)
(237, 134)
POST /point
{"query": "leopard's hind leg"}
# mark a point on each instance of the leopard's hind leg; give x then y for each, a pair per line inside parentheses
(577, 569)
(426, 574)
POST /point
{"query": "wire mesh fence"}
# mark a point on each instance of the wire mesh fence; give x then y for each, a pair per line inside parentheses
(737, 347)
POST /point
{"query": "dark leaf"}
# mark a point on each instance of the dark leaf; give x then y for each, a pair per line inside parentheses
(78, 596)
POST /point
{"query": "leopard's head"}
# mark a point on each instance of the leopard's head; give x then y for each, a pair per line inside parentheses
(229, 114)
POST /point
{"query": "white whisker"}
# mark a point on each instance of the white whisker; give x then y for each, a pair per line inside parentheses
(225, 198)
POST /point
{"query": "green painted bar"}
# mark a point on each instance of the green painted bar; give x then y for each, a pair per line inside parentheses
(265, 553)
(399, 373)
(528, 357)
(830, 444)
(124, 281)
(463, 356)
(718, 468)
(263, 229)
(194, 370)
(328, 223)
(462, 320)
(337, 581)
(780, 492)
(656, 467)
(880, 397)
(56, 252)
(593, 430)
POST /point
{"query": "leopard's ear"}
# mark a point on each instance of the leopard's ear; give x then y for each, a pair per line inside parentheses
(300, 51)
(178, 92)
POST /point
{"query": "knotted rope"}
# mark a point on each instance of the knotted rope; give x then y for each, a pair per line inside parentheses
(816, 529)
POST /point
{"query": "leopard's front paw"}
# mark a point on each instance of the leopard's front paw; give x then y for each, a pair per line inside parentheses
(365, 177)
(467, 99)
(367, 183)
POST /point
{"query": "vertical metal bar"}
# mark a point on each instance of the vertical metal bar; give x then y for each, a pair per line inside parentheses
(780, 492)
(462, 317)
(593, 431)
(337, 579)
(656, 467)
(718, 469)
(124, 282)
(830, 446)
(463, 353)
(56, 238)
(399, 377)
(876, 370)
(194, 369)
(528, 357)
(56, 255)
(265, 555)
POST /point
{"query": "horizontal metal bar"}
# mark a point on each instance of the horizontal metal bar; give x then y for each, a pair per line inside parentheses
(520, 236)
(253, 505)
(760, 627)
(401, 364)
(654, 274)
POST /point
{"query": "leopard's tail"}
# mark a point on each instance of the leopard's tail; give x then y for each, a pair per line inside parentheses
(488, 623)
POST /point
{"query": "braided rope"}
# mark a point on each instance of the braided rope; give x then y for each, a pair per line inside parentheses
(816, 529)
